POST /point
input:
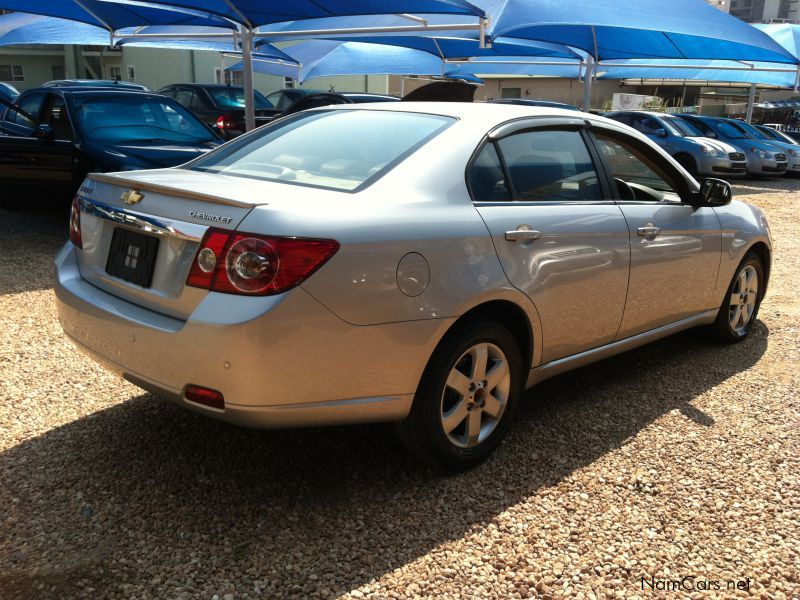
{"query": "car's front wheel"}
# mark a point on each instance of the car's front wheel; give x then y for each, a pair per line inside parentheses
(742, 301)
(466, 398)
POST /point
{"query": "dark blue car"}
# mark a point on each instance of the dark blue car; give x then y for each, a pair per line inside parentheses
(52, 137)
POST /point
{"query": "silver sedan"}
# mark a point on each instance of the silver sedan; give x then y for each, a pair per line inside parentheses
(417, 263)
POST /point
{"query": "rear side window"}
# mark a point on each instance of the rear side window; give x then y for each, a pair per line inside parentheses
(334, 149)
(550, 165)
(487, 180)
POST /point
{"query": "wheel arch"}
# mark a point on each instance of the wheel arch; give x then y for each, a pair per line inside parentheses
(763, 252)
(511, 316)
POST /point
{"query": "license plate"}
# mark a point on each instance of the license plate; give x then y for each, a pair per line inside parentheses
(132, 257)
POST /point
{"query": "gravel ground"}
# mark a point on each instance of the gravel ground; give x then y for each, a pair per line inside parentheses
(680, 459)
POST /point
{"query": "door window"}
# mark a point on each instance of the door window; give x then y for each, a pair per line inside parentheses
(186, 97)
(638, 176)
(31, 104)
(645, 124)
(487, 180)
(57, 117)
(550, 165)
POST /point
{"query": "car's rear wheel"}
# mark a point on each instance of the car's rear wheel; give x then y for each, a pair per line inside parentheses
(742, 301)
(466, 398)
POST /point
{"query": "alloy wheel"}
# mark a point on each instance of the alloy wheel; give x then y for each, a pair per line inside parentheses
(744, 299)
(475, 395)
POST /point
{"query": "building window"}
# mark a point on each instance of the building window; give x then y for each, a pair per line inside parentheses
(131, 73)
(12, 73)
(511, 93)
(115, 73)
(288, 82)
(230, 77)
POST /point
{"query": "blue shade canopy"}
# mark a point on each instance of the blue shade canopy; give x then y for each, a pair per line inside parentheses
(115, 14)
(523, 66)
(22, 28)
(452, 47)
(709, 70)
(787, 35)
(635, 29)
(261, 12)
(325, 58)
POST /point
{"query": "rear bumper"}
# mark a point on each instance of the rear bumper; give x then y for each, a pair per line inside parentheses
(281, 361)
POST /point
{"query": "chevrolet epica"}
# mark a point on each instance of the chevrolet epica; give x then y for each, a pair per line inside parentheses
(422, 263)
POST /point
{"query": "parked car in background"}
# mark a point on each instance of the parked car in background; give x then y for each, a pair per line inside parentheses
(421, 263)
(531, 102)
(319, 99)
(53, 137)
(763, 158)
(784, 142)
(8, 92)
(96, 83)
(221, 106)
(700, 155)
(284, 99)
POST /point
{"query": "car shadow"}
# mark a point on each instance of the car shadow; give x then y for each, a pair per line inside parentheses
(195, 496)
(32, 234)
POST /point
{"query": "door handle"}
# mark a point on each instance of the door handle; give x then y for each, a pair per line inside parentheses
(523, 233)
(649, 230)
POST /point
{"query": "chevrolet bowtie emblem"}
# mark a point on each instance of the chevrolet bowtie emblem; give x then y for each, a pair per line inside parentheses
(131, 197)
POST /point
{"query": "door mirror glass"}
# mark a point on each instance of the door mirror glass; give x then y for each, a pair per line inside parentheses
(661, 132)
(715, 192)
(44, 132)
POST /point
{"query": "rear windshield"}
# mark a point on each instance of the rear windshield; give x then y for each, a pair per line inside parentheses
(138, 118)
(233, 97)
(334, 149)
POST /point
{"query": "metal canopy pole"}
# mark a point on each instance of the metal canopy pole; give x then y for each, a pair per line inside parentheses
(247, 72)
(751, 101)
(587, 83)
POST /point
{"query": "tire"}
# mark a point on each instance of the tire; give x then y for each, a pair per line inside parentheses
(688, 163)
(739, 309)
(460, 417)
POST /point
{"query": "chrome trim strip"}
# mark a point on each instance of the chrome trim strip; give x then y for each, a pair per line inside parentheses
(142, 222)
(562, 365)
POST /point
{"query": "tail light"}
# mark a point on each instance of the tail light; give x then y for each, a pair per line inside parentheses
(225, 123)
(75, 223)
(256, 265)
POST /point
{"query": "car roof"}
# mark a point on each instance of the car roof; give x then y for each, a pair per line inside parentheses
(479, 114)
(83, 90)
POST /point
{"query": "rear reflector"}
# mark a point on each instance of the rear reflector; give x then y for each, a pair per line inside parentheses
(75, 223)
(256, 265)
(205, 396)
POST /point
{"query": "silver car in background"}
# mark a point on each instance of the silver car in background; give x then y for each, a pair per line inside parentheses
(763, 157)
(790, 145)
(422, 263)
(700, 155)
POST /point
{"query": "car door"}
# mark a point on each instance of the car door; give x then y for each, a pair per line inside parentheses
(675, 246)
(560, 237)
(19, 150)
(56, 155)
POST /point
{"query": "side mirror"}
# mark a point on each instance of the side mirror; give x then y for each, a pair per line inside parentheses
(714, 192)
(44, 132)
(660, 132)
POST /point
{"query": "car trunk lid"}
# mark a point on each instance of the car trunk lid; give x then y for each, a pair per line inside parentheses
(162, 217)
